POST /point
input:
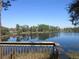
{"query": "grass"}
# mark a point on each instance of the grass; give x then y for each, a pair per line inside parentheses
(32, 55)
(73, 55)
(29, 55)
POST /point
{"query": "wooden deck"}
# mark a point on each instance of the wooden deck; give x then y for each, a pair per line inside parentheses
(35, 50)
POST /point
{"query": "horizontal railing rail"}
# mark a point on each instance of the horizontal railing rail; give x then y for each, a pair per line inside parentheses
(29, 43)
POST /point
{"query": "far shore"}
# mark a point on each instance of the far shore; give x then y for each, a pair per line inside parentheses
(23, 33)
(12, 34)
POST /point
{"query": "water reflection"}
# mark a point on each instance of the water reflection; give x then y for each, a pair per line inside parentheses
(5, 38)
(42, 36)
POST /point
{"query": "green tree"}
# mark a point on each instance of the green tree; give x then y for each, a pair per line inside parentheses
(68, 30)
(74, 12)
(33, 28)
(76, 29)
(18, 29)
(25, 28)
(54, 29)
(5, 31)
(43, 28)
(3, 5)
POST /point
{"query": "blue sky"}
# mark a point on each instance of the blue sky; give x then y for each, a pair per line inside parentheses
(34, 12)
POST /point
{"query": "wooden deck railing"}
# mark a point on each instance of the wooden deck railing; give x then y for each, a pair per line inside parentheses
(28, 50)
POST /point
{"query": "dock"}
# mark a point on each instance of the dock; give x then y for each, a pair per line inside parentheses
(31, 50)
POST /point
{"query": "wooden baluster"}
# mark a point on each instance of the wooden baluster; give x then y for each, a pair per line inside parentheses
(2, 52)
(42, 49)
(28, 48)
(24, 50)
(7, 51)
(17, 50)
(57, 53)
(45, 49)
(20, 50)
(31, 48)
(13, 54)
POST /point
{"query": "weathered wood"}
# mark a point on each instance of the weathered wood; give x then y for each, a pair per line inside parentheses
(27, 43)
(14, 54)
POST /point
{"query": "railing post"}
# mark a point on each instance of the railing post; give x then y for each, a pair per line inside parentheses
(0, 28)
(53, 56)
(55, 52)
(0, 52)
(13, 54)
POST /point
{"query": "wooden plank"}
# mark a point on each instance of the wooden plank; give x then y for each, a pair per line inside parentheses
(29, 43)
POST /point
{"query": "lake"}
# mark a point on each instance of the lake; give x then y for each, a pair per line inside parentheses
(68, 41)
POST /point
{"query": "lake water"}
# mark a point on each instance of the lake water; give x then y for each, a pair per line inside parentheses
(68, 41)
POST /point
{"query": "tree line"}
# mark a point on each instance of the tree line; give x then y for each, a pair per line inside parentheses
(41, 28)
(75, 29)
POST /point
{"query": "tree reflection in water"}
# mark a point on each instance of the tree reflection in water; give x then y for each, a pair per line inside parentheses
(27, 37)
(22, 38)
(41, 36)
(5, 38)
